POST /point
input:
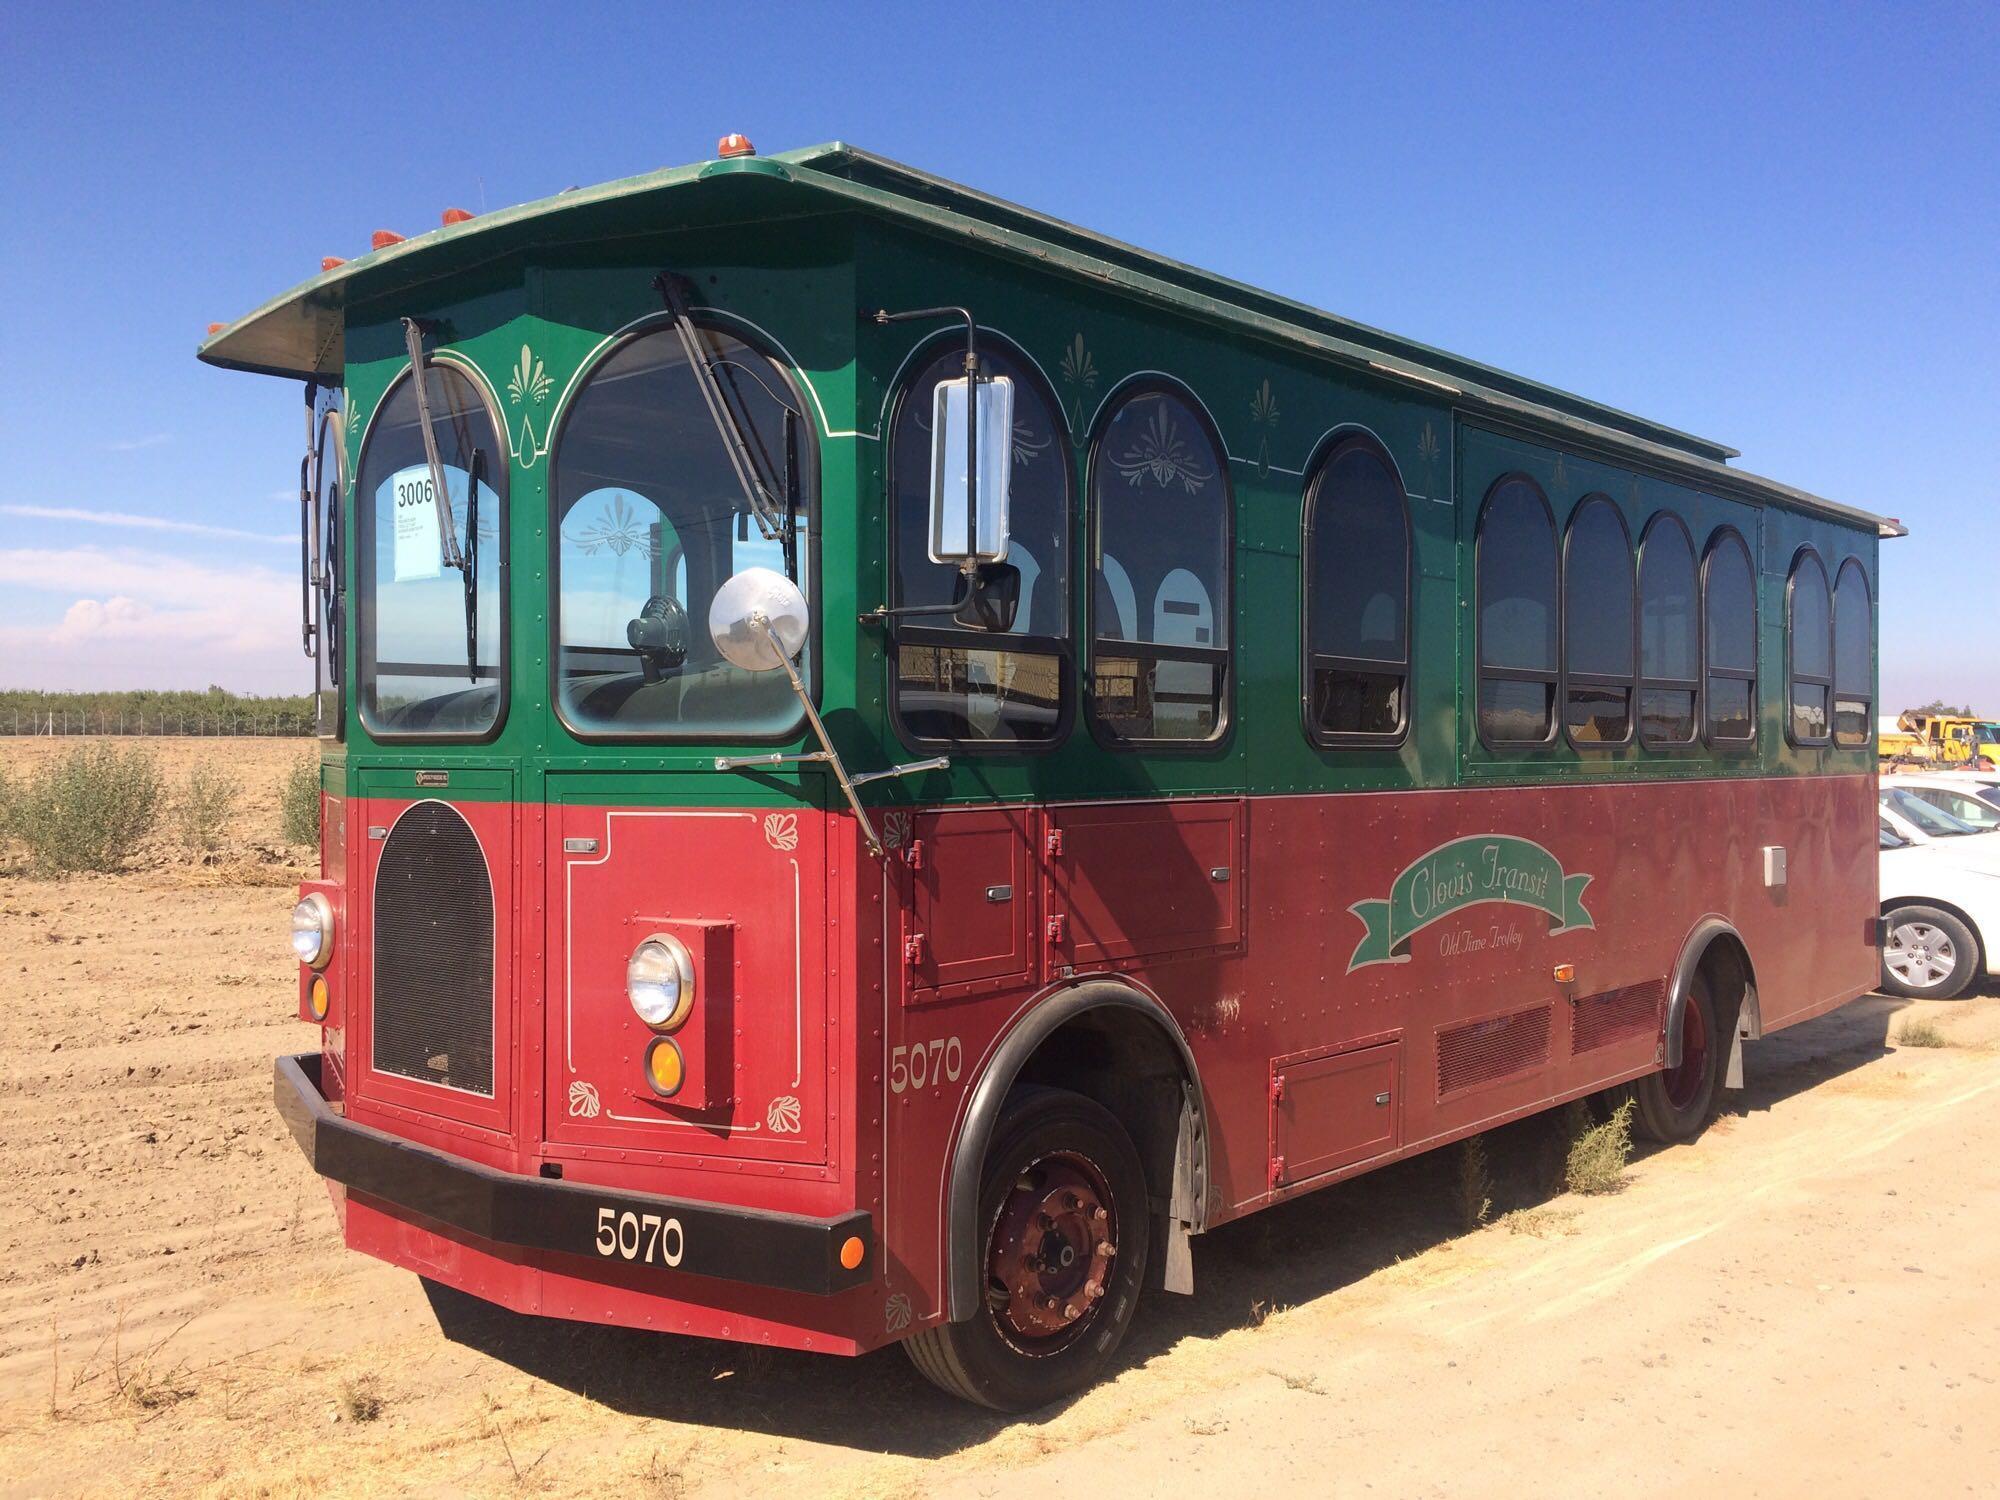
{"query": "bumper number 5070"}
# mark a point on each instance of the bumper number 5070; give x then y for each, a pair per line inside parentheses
(647, 1238)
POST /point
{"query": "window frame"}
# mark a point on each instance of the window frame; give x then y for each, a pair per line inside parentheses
(1571, 678)
(1807, 552)
(365, 663)
(330, 602)
(1224, 657)
(1659, 518)
(1721, 537)
(915, 632)
(1480, 671)
(1331, 449)
(632, 333)
(1867, 741)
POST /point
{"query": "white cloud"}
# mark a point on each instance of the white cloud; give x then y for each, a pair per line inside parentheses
(128, 618)
(127, 520)
(131, 445)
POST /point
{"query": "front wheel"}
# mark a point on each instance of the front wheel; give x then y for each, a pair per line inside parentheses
(1063, 1211)
(1927, 954)
(1676, 1105)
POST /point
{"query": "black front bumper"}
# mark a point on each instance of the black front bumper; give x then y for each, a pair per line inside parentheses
(790, 1252)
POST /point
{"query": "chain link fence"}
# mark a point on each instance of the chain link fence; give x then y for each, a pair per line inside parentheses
(180, 722)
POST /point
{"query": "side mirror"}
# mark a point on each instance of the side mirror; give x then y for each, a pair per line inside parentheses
(968, 522)
(753, 610)
(991, 597)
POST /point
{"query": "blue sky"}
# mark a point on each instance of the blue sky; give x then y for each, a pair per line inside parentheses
(1777, 226)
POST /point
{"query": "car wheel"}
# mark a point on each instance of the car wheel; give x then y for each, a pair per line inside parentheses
(1927, 954)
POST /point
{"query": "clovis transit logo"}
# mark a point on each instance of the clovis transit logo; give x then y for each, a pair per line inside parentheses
(1466, 872)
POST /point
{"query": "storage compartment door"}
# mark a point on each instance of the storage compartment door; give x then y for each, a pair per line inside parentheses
(1329, 1111)
(1135, 880)
(971, 913)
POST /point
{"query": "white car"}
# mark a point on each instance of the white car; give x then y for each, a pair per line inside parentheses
(1966, 795)
(1917, 819)
(1940, 915)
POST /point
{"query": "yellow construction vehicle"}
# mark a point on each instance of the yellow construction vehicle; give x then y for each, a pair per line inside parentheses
(1940, 739)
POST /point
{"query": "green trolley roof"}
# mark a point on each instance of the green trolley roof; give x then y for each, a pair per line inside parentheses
(302, 332)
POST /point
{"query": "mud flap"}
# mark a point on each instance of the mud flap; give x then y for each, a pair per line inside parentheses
(1732, 1077)
(1177, 1266)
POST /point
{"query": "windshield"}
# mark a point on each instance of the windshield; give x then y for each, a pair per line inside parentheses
(430, 634)
(1963, 806)
(651, 521)
(1887, 837)
(1932, 820)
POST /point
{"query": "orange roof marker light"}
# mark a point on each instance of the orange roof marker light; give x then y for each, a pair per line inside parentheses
(215, 328)
(382, 239)
(456, 216)
(332, 262)
(735, 145)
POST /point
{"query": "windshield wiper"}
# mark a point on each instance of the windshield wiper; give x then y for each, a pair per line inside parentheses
(470, 563)
(413, 340)
(764, 506)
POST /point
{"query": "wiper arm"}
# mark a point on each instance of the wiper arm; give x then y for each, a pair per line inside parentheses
(413, 340)
(764, 506)
(470, 564)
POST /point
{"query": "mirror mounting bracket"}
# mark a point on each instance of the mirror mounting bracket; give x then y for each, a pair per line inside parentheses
(973, 376)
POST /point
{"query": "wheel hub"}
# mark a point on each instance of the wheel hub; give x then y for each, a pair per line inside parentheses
(1050, 1254)
(1683, 1082)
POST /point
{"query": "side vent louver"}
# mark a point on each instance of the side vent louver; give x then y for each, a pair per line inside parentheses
(1613, 1016)
(1479, 1052)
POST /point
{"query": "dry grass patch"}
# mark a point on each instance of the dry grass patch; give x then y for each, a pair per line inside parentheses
(1472, 1183)
(1597, 1154)
(361, 1399)
(1921, 1033)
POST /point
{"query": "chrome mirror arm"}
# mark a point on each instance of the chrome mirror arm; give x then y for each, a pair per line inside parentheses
(761, 623)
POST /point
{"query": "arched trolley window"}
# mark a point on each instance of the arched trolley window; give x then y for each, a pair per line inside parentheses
(1516, 609)
(1598, 614)
(1729, 642)
(1669, 647)
(650, 520)
(326, 578)
(1160, 605)
(433, 644)
(1853, 657)
(1357, 598)
(974, 688)
(1809, 639)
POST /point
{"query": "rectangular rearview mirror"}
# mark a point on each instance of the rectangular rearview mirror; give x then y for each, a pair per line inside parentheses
(971, 528)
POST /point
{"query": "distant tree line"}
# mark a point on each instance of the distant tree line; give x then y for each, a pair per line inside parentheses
(151, 711)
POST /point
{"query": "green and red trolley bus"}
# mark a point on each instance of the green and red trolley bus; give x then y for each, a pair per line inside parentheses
(888, 761)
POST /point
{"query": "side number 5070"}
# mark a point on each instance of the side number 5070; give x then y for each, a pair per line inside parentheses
(641, 1237)
(926, 1064)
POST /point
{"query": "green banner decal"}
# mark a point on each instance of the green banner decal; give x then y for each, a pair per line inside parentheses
(1467, 872)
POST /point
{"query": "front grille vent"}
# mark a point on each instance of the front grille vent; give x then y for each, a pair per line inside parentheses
(1613, 1016)
(1486, 1051)
(433, 1014)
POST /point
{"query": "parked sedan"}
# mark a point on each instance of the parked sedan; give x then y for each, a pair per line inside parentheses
(1939, 910)
(1966, 795)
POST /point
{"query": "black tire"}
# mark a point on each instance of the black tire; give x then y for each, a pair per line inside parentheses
(1043, 1136)
(1675, 1105)
(1926, 943)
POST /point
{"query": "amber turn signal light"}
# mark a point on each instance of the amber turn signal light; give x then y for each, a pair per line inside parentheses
(851, 1252)
(1565, 973)
(318, 998)
(666, 1069)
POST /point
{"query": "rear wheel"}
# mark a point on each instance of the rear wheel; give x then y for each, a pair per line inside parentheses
(1065, 1230)
(1676, 1105)
(1927, 954)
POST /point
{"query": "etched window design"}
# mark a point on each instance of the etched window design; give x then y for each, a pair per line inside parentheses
(1853, 657)
(1729, 642)
(1809, 642)
(1515, 590)
(1160, 598)
(1597, 626)
(1357, 585)
(975, 687)
(1669, 649)
(432, 657)
(651, 520)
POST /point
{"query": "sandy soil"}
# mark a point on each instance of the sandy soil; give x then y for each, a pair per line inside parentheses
(1806, 1302)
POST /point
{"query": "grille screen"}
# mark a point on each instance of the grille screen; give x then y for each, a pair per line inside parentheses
(1482, 1051)
(434, 953)
(1616, 1016)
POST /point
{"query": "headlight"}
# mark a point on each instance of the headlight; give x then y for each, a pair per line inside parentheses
(312, 930)
(659, 980)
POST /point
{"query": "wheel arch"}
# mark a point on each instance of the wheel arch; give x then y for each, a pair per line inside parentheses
(1716, 946)
(1111, 1022)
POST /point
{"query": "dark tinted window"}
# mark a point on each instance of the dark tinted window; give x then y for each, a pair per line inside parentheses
(1729, 615)
(1853, 657)
(1160, 597)
(1516, 589)
(1597, 625)
(1357, 597)
(957, 685)
(1809, 638)
(651, 521)
(430, 665)
(1669, 653)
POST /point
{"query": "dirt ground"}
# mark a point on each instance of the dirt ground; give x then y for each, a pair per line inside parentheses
(1805, 1302)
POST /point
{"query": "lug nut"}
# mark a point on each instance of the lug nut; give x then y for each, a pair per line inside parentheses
(1071, 1310)
(1098, 1214)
